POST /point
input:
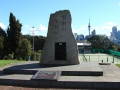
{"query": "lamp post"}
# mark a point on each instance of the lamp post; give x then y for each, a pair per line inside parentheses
(33, 37)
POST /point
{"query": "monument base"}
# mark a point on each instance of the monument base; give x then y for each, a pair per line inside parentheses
(58, 63)
(83, 69)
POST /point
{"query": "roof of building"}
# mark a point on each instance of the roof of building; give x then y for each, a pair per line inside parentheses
(83, 44)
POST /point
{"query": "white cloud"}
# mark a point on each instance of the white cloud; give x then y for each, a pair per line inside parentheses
(27, 29)
(81, 30)
(41, 27)
(2, 25)
(108, 26)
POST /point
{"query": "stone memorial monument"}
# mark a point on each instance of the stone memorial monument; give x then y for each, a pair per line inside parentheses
(60, 47)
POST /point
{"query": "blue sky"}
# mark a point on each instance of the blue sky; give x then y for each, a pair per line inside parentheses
(103, 14)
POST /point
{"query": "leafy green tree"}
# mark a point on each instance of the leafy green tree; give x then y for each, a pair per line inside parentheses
(118, 48)
(39, 41)
(2, 32)
(1, 46)
(3, 43)
(25, 49)
(14, 34)
(100, 42)
(115, 47)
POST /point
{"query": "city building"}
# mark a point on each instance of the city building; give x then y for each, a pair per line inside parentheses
(114, 30)
(115, 35)
(93, 32)
(84, 47)
(88, 36)
(79, 37)
(75, 35)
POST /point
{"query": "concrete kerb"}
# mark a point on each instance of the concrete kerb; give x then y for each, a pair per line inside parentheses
(61, 84)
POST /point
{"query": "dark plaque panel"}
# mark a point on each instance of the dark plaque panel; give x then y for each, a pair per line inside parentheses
(60, 51)
(47, 75)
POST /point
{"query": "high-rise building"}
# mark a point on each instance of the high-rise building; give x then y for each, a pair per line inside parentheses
(80, 37)
(114, 30)
(89, 26)
(93, 32)
(115, 35)
(75, 35)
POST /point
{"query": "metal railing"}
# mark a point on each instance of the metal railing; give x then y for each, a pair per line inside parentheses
(84, 58)
(99, 58)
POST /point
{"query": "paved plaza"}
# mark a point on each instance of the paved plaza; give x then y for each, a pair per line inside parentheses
(109, 79)
(86, 75)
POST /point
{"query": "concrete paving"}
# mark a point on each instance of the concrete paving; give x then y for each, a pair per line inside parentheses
(109, 80)
(85, 68)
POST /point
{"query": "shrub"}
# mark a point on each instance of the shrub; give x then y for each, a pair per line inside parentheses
(35, 56)
(39, 51)
(9, 56)
(25, 49)
(38, 56)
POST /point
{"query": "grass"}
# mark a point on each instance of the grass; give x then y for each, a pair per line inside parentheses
(7, 62)
(118, 65)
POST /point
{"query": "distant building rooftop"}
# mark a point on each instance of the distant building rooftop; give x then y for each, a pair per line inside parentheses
(83, 44)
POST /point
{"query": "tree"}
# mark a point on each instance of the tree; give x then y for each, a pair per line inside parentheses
(1, 46)
(118, 48)
(3, 43)
(14, 34)
(39, 41)
(2, 35)
(2, 32)
(25, 49)
(100, 42)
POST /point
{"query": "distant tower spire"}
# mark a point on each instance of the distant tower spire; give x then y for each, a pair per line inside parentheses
(89, 26)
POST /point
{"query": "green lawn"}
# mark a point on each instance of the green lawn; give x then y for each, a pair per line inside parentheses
(118, 65)
(6, 62)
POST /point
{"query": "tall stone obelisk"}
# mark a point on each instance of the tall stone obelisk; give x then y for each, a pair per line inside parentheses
(60, 47)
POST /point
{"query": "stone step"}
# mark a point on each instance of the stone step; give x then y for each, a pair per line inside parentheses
(64, 82)
(83, 69)
(64, 73)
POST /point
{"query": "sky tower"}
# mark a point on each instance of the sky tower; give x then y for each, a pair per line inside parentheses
(89, 26)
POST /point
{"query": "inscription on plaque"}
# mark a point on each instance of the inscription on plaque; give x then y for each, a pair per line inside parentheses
(47, 75)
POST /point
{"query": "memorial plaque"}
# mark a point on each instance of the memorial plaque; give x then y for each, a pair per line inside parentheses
(47, 75)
